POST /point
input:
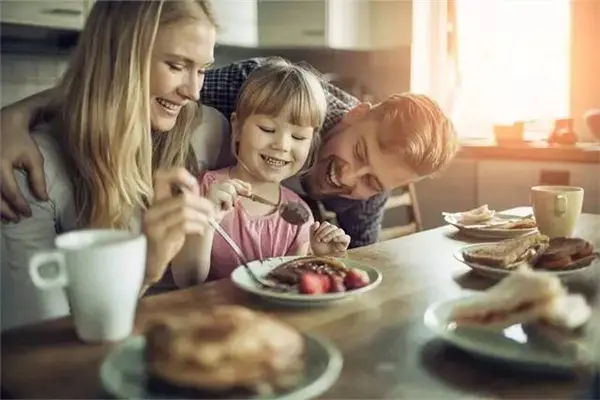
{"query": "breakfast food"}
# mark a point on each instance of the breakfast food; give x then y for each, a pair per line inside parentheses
(508, 253)
(566, 253)
(523, 297)
(229, 351)
(318, 275)
(523, 223)
(474, 216)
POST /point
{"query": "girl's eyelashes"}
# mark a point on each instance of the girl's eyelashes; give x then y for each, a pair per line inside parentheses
(300, 137)
(266, 129)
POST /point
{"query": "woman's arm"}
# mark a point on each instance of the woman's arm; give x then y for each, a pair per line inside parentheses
(192, 264)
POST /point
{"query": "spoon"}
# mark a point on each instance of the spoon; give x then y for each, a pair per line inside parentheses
(236, 249)
(291, 211)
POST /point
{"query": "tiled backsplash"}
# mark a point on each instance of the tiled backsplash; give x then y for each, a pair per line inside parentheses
(24, 74)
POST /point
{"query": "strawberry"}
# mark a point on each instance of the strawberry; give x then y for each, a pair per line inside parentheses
(337, 284)
(311, 283)
(355, 279)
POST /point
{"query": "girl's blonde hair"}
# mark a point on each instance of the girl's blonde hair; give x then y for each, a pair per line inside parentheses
(102, 107)
(278, 88)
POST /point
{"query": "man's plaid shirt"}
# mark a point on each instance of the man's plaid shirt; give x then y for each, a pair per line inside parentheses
(360, 219)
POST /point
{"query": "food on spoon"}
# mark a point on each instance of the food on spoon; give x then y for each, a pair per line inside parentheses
(314, 275)
(521, 297)
(295, 213)
(508, 253)
(228, 351)
(566, 253)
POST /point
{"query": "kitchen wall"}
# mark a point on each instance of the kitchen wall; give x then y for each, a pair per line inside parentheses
(24, 74)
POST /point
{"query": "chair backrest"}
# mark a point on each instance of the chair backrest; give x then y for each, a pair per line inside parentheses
(405, 197)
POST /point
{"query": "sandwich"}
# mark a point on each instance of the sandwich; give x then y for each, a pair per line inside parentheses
(509, 253)
(522, 297)
(566, 253)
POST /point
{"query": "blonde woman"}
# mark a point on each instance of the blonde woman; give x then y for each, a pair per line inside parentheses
(120, 133)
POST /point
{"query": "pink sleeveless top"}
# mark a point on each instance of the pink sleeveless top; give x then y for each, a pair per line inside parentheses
(259, 237)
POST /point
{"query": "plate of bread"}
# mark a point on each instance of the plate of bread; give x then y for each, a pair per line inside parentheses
(483, 222)
(564, 257)
(308, 281)
(227, 352)
(528, 318)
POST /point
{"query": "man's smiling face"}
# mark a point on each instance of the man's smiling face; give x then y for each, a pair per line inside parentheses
(352, 162)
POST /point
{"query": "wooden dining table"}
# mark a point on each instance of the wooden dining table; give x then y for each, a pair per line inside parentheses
(387, 351)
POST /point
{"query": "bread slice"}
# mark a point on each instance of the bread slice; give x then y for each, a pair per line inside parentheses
(522, 297)
(566, 253)
(507, 253)
(523, 223)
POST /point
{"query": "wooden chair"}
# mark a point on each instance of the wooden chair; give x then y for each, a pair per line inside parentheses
(406, 198)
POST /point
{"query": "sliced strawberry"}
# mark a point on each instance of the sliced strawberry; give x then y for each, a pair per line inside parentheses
(336, 284)
(312, 283)
(356, 278)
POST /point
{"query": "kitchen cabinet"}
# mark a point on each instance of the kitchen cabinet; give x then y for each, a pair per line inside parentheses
(501, 184)
(64, 14)
(340, 24)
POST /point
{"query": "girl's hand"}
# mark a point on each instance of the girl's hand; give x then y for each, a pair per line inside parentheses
(171, 217)
(326, 238)
(225, 194)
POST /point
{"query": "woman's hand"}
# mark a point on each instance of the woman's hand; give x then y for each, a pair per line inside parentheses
(326, 238)
(225, 194)
(173, 216)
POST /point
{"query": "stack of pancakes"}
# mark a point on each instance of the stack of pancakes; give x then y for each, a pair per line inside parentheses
(229, 351)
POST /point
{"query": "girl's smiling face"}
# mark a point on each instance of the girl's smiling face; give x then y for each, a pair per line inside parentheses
(271, 148)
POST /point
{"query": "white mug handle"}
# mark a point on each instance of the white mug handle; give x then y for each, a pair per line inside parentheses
(560, 205)
(48, 257)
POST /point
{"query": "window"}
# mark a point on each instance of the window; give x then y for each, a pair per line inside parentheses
(503, 61)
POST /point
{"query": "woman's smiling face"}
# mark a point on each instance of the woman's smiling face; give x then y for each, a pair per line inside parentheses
(182, 52)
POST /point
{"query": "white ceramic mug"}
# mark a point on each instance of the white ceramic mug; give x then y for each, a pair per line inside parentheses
(102, 271)
(557, 209)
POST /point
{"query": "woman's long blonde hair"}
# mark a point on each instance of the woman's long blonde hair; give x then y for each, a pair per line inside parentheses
(102, 118)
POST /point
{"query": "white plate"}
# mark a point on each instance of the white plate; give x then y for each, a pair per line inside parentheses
(123, 372)
(242, 280)
(490, 233)
(499, 273)
(520, 344)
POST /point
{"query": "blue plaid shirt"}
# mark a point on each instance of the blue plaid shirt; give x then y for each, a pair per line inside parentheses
(360, 219)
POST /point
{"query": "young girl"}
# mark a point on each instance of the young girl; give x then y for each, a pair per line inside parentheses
(279, 112)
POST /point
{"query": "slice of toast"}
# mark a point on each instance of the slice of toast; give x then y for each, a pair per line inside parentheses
(507, 253)
(566, 253)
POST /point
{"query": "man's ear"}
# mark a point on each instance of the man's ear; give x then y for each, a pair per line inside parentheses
(357, 113)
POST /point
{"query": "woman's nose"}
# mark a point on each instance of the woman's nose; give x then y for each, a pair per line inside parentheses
(351, 175)
(191, 89)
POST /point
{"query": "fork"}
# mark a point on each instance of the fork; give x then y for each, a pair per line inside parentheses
(238, 252)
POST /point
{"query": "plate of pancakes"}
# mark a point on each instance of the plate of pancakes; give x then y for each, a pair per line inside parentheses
(223, 352)
(308, 281)
(564, 257)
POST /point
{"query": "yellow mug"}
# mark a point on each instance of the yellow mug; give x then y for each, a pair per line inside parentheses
(556, 209)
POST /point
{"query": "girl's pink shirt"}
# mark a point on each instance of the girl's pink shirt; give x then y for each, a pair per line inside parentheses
(259, 237)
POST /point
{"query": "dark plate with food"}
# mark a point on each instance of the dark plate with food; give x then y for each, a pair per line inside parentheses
(308, 280)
